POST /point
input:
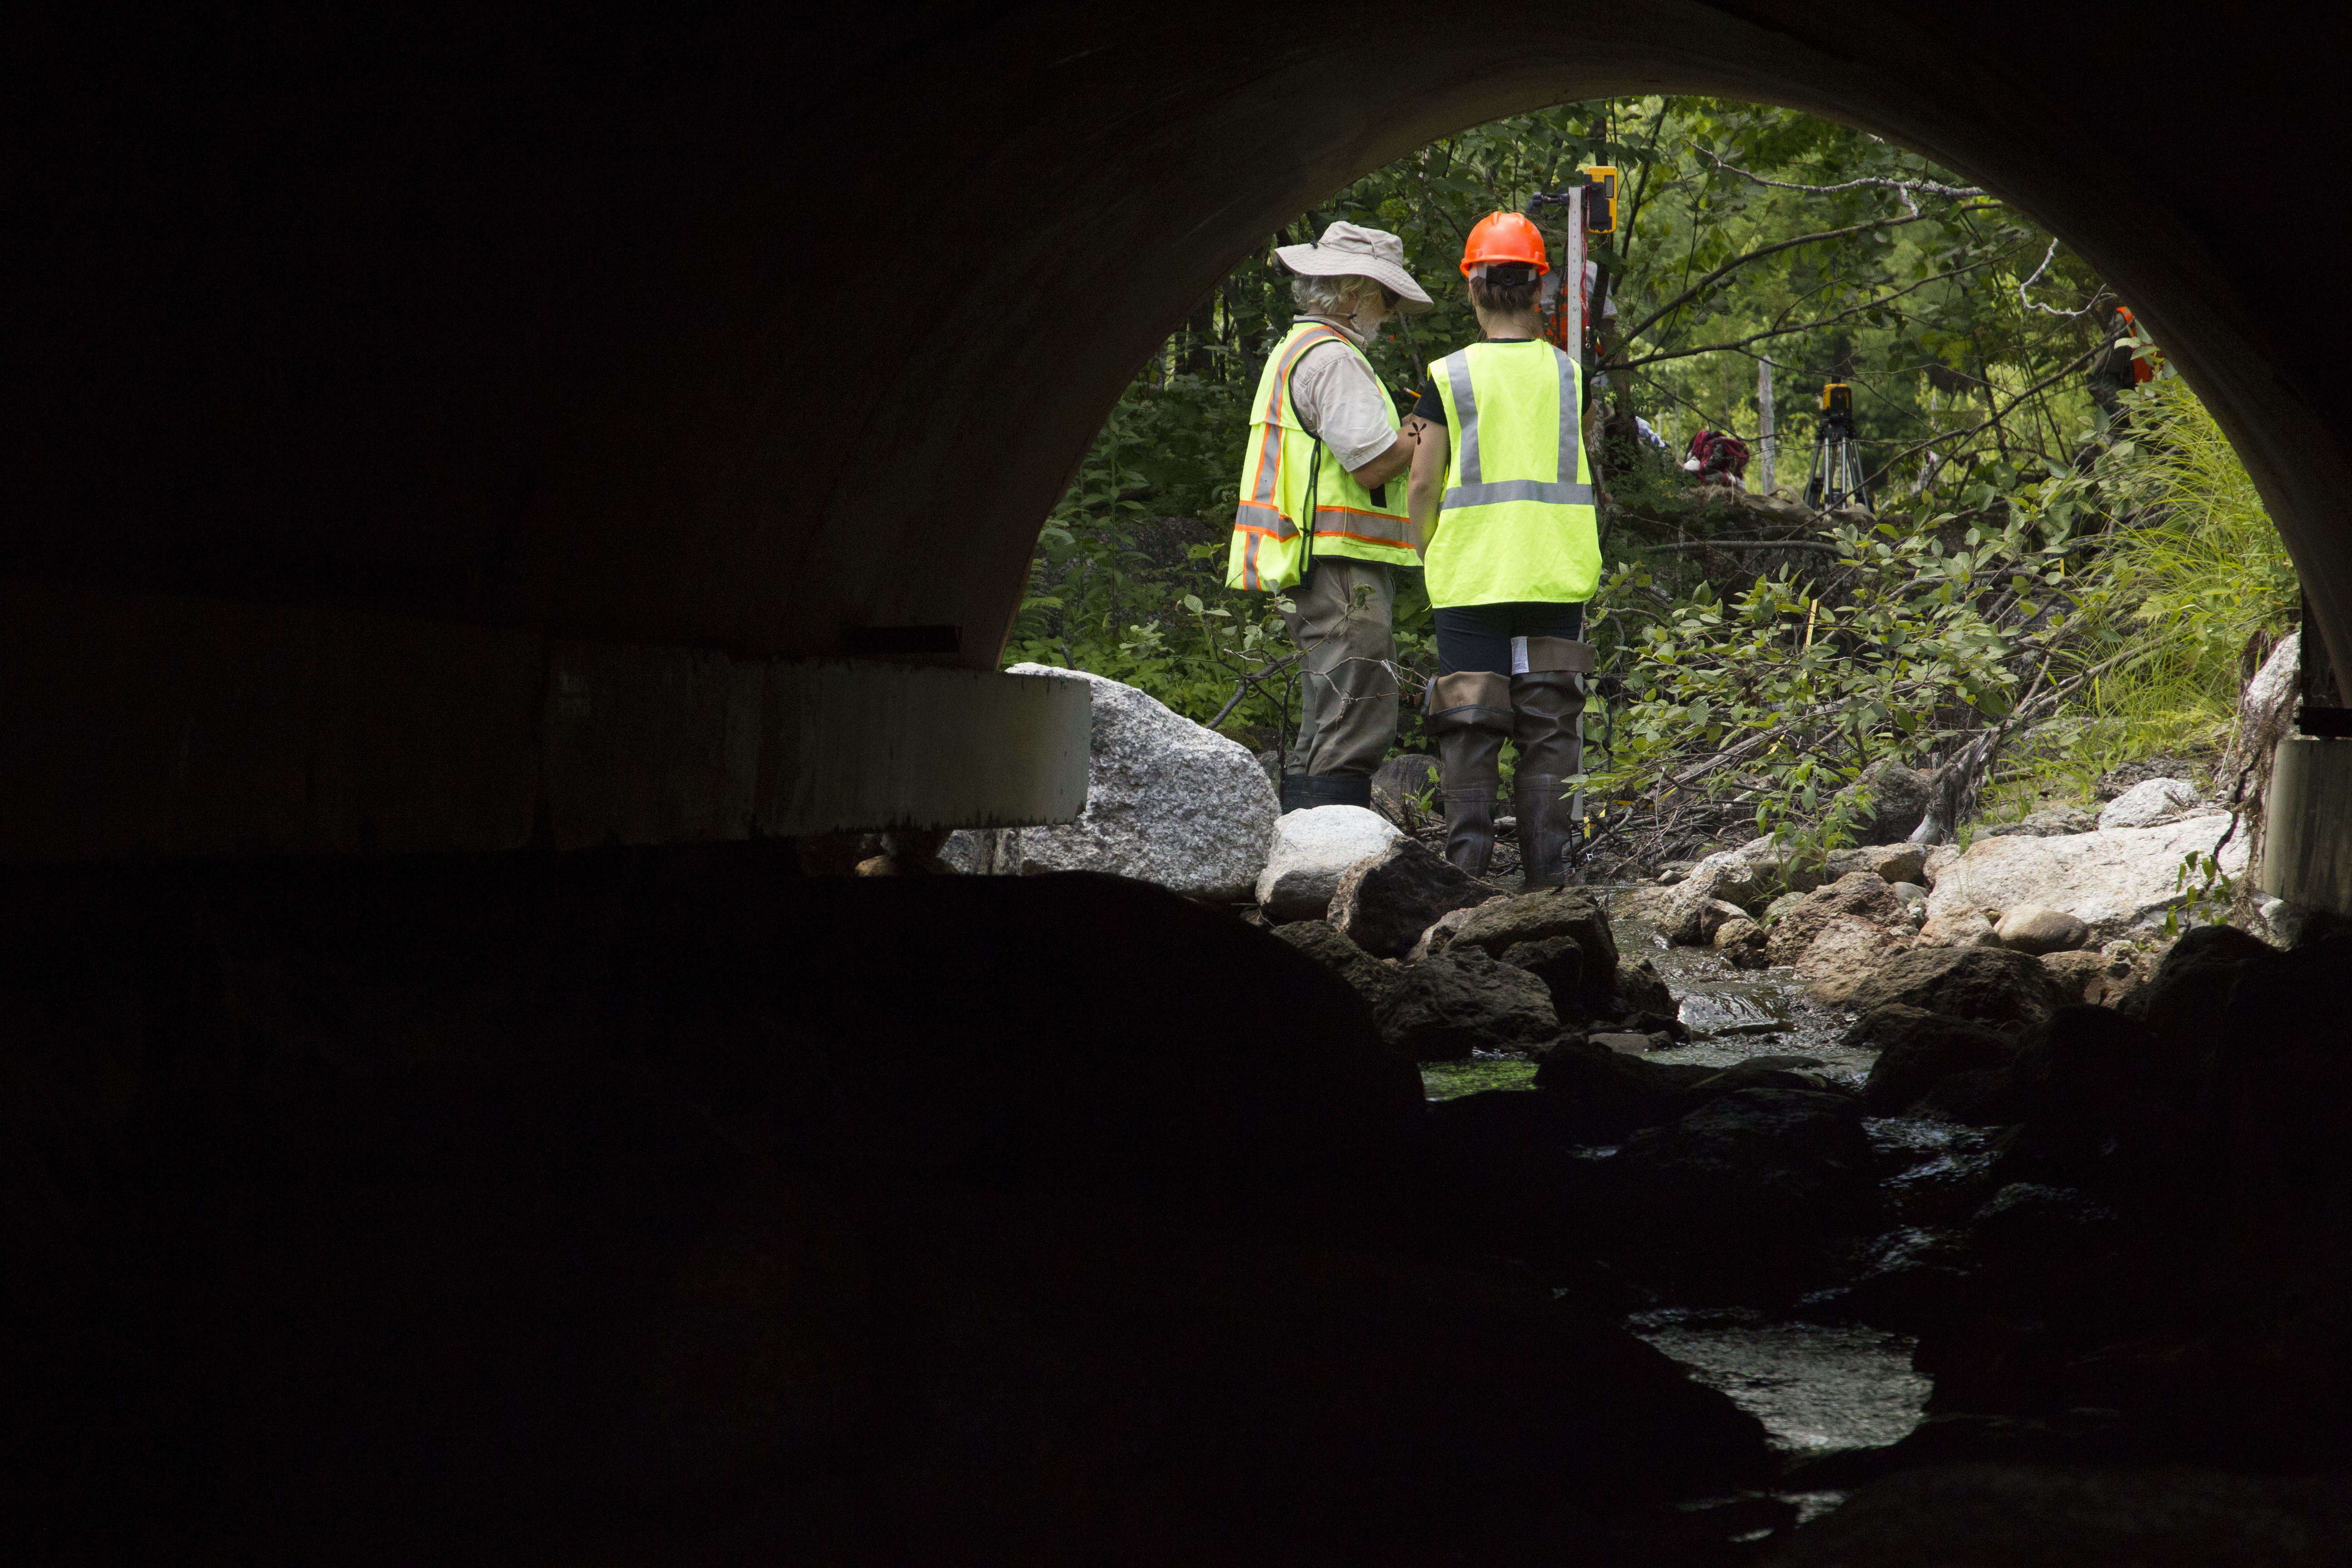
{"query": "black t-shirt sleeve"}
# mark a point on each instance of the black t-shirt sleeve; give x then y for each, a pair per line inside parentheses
(1425, 404)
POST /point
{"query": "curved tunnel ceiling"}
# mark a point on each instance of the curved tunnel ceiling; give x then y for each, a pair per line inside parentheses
(733, 335)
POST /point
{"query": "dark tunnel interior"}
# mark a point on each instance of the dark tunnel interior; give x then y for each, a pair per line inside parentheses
(489, 492)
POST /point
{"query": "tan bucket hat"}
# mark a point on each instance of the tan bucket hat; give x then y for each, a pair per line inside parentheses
(1347, 251)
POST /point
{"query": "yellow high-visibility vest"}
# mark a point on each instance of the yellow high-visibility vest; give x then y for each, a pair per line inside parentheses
(1269, 549)
(1516, 523)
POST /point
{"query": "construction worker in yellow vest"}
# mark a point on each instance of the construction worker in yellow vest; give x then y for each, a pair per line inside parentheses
(1502, 496)
(1320, 520)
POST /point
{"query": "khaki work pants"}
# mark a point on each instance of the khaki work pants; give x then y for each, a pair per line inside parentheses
(1343, 623)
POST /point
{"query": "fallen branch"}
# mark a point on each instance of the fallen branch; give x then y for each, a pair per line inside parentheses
(1753, 545)
(1242, 687)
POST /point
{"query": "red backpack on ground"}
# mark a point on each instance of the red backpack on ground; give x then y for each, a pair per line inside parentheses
(1712, 452)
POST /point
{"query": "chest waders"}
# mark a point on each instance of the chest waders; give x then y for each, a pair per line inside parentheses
(1516, 526)
(1541, 708)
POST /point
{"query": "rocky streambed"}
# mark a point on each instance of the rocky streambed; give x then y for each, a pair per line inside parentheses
(1954, 1204)
(1819, 1387)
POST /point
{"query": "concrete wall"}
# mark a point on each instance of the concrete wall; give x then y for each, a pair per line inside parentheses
(150, 724)
(2306, 851)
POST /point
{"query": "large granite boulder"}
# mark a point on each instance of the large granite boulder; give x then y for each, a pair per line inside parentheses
(1384, 902)
(1311, 849)
(2118, 882)
(1167, 802)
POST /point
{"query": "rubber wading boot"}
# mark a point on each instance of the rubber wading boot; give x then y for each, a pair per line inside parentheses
(1340, 789)
(1293, 793)
(1548, 708)
(1469, 714)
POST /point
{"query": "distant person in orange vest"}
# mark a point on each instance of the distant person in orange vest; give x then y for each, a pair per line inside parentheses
(2119, 369)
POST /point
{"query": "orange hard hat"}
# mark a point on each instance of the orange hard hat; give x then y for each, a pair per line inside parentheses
(1504, 237)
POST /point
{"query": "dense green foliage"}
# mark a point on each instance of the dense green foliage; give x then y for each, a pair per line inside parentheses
(2052, 581)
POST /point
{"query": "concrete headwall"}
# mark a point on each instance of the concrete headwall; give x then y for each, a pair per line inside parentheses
(157, 725)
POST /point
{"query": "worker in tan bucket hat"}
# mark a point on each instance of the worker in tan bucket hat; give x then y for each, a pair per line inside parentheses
(1322, 516)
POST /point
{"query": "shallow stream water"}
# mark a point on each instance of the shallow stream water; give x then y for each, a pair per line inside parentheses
(1816, 1387)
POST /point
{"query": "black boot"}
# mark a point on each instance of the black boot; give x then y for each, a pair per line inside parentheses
(1548, 708)
(1340, 789)
(1293, 793)
(1470, 761)
(1469, 714)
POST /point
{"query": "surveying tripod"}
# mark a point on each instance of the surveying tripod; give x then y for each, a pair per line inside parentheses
(1838, 474)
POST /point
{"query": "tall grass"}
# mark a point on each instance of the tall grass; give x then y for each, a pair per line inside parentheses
(2189, 573)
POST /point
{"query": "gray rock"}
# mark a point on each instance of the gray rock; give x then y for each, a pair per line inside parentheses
(1744, 1190)
(1779, 908)
(1919, 1049)
(1558, 963)
(1909, 892)
(1384, 902)
(2064, 819)
(1401, 784)
(1897, 797)
(2092, 979)
(1957, 928)
(1311, 849)
(1623, 1044)
(1457, 1002)
(1167, 802)
(2147, 804)
(2265, 716)
(1440, 934)
(2030, 928)
(2120, 781)
(1728, 877)
(1893, 862)
(1374, 979)
(2050, 822)
(2119, 882)
(1712, 915)
(1506, 923)
(1743, 943)
(1859, 895)
(1990, 984)
(1844, 953)
(1643, 904)
(1641, 990)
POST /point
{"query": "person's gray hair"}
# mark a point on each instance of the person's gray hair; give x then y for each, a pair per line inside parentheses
(1322, 296)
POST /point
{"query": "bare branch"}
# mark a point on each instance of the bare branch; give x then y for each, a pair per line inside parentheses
(1802, 327)
(1924, 187)
(1242, 687)
(1737, 262)
(2047, 257)
(1824, 547)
